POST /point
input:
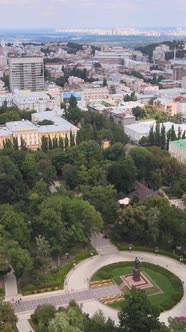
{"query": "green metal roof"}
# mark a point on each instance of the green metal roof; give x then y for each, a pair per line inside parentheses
(181, 143)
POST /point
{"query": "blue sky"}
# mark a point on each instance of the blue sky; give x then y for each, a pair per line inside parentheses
(91, 13)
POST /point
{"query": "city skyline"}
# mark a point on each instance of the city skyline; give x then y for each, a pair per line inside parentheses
(91, 13)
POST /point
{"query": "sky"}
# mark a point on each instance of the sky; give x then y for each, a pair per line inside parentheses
(22, 14)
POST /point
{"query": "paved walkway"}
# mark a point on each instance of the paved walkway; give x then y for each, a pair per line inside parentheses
(63, 298)
(103, 246)
(10, 286)
(24, 326)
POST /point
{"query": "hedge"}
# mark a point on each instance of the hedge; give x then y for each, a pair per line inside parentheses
(123, 247)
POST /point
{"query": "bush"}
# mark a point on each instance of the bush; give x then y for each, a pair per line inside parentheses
(55, 279)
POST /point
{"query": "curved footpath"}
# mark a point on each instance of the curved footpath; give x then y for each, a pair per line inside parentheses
(77, 282)
(80, 276)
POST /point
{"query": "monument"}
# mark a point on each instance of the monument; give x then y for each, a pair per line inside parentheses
(136, 270)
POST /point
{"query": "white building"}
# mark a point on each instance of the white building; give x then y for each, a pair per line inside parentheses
(38, 102)
(141, 128)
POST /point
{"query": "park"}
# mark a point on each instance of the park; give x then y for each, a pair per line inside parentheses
(165, 276)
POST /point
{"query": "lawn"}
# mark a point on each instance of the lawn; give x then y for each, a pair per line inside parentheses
(170, 285)
(2, 292)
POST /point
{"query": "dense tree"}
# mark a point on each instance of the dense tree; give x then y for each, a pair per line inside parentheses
(65, 222)
(7, 317)
(143, 160)
(103, 198)
(122, 174)
(138, 112)
(42, 316)
(137, 314)
(20, 260)
(114, 152)
(15, 224)
(12, 187)
(70, 319)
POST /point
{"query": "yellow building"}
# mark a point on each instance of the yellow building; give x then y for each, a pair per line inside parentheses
(32, 134)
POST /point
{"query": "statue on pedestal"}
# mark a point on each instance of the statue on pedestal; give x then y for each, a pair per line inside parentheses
(136, 270)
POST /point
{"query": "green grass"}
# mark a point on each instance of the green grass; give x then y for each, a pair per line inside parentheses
(117, 280)
(170, 285)
(2, 292)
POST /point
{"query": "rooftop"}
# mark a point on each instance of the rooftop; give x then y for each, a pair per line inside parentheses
(20, 125)
(181, 143)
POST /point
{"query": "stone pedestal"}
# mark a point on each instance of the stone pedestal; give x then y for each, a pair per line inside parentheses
(136, 275)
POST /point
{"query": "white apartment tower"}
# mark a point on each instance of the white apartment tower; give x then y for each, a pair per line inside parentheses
(26, 73)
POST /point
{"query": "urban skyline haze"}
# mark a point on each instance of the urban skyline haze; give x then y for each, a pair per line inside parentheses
(91, 13)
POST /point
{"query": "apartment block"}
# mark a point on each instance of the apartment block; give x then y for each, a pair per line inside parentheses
(26, 73)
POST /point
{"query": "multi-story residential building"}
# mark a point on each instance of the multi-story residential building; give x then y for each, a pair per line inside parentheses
(181, 107)
(159, 52)
(38, 102)
(26, 73)
(137, 65)
(166, 105)
(3, 61)
(94, 93)
(179, 72)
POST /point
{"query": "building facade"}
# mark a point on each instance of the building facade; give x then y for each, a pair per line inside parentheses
(26, 73)
(31, 133)
(177, 150)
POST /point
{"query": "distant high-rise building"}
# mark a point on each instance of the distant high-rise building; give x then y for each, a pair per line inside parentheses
(179, 72)
(26, 73)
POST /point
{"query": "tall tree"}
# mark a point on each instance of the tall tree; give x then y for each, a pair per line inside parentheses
(66, 141)
(72, 101)
(44, 143)
(61, 144)
(50, 146)
(137, 313)
(104, 82)
(172, 134)
(151, 139)
(157, 137)
(162, 137)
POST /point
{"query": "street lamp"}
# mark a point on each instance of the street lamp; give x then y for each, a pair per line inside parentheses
(156, 250)
(130, 247)
(181, 258)
(74, 265)
(67, 254)
(91, 254)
